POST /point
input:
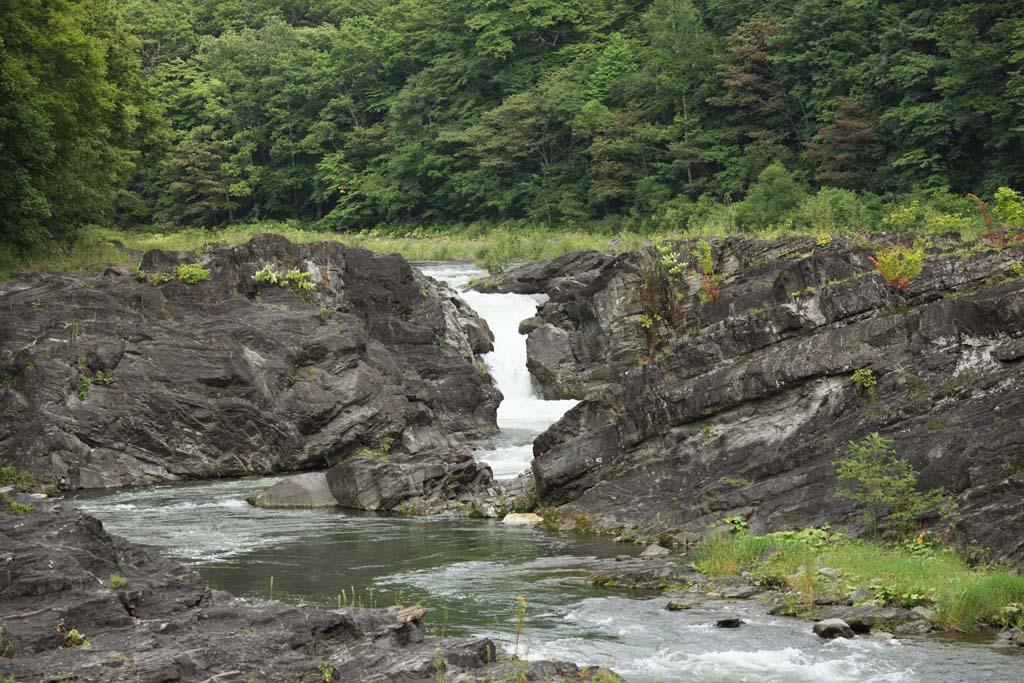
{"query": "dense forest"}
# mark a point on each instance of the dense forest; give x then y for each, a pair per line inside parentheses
(358, 113)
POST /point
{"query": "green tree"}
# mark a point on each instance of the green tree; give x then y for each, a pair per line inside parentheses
(72, 114)
(883, 485)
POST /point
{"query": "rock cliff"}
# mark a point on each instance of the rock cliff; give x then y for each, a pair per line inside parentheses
(740, 405)
(332, 355)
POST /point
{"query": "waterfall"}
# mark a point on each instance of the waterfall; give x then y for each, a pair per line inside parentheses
(522, 414)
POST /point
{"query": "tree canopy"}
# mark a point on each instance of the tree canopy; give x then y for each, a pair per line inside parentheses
(356, 113)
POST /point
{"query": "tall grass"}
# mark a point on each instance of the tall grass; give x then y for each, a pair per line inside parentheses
(97, 248)
(902, 575)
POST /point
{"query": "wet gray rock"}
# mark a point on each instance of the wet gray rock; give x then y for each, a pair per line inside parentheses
(645, 573)
(740, 407)
(307, 490)
(164, 624)
(832, 628)
(120, 379)
(541, 277)
(655, 550)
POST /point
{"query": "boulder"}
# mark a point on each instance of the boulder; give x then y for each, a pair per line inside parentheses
(121, 379)
(832, 628)
(756, 387)
(307, 490)
(679, 605)
(522, 519)
(537, 277)
(729, 622)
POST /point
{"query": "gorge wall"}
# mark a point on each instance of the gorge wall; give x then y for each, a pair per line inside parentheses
(739, 406)
(134, 378)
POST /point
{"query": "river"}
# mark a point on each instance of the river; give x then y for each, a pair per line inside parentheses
(469, 572)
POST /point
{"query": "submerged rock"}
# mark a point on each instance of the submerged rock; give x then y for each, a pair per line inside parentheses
(832, 628)
(740, 406)
(159, 622)
(729, 622)
(125, 379)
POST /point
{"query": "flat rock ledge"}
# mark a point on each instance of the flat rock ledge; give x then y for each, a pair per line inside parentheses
(162, 624)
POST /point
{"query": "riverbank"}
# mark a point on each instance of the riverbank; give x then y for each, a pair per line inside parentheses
(818, 573)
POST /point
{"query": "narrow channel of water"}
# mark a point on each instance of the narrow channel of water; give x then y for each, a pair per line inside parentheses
(469, 572)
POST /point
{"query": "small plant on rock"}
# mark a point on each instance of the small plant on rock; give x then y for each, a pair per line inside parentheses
(736, 524)
(300, 280)
(267, 275)
(898, 266)
(705, 270)
(865, 379)
(381, 452)
(72, 637)
(191, 273)
(117, 581)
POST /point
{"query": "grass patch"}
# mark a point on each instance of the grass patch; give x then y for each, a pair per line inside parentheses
(903, 575)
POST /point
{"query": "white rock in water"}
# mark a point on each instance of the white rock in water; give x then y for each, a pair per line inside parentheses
(522, 519)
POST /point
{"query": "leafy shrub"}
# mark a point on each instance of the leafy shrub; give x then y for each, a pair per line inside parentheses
(933, 213)
(832, 210)
(899, 266)
(12, 476)
(192, 273)
(13, 507)
(774, 198)
(1009, 211)
(878, 481)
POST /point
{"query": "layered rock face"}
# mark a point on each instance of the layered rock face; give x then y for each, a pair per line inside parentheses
(126, 379)
(741, 406)
(78, 604)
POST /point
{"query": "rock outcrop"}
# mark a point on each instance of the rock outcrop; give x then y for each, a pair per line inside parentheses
(740, 406)
(78, 604)
(128, 379)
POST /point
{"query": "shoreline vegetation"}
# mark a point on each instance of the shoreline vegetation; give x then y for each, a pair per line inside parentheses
(494, 246)
(820, 564)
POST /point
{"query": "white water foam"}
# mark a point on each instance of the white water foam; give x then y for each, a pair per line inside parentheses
(523, 414)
